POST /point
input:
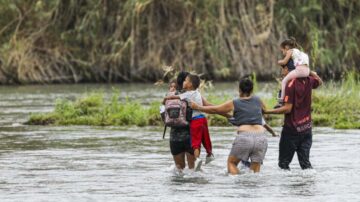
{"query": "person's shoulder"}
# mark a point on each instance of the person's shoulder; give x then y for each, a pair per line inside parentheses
(292, 82)
(310, 80)
(311, 77)
(186, 92)
(256, 97)
(307, 79)
(236, 100)
(314, 81)
(196, 92)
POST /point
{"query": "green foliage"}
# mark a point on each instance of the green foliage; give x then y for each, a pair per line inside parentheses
(328, 31)
(333, 105)
(93, 110)
(57, 41)
(339, 106)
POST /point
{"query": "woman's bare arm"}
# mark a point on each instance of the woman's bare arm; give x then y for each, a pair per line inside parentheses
(216, 109)
(205, 102)
(263, 106)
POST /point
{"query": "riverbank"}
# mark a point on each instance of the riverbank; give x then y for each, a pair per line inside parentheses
(107, 41)
(334, 105)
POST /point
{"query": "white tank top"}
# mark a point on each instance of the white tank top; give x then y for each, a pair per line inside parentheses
(299, 57)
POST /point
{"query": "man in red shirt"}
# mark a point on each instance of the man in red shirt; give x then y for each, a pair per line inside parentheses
(296, 135)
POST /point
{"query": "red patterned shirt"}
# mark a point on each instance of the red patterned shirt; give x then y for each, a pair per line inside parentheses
(298, 93)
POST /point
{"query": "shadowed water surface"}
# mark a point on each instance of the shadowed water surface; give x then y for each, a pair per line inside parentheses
(83, 163)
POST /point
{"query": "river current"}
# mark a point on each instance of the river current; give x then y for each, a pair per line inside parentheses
(87, 163)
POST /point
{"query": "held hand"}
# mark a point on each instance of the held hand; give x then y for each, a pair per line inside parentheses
(193, 105)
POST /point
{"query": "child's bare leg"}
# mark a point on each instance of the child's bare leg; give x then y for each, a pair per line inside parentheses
(299, 72)
(196, 153)
(287, 78)
(198, 161)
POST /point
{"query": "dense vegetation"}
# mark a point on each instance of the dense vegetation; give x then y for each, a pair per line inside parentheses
(334, 106)
(57, 41)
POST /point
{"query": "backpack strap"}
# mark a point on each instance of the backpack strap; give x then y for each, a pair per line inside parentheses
(164, 132)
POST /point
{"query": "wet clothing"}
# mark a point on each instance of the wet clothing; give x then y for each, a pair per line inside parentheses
(250, 145)
(199, 132)
(298, 93)
(247, 111)
(290, 143)
(180, 139)
(296, 135)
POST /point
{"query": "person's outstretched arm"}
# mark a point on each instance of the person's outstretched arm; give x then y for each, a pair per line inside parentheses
(281, 110)
(205, 102)
(215, 109)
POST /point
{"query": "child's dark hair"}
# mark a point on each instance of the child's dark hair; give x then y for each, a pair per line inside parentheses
(291, 43)
(246, 85)
(180, 79)
(195, 80)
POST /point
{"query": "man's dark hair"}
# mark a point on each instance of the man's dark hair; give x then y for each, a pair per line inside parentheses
(195, 80)
(180, 80)
(246, 85)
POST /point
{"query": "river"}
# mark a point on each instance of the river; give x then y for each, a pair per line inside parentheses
(86, 163)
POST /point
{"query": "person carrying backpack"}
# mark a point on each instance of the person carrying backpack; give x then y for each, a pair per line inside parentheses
(198, 124)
